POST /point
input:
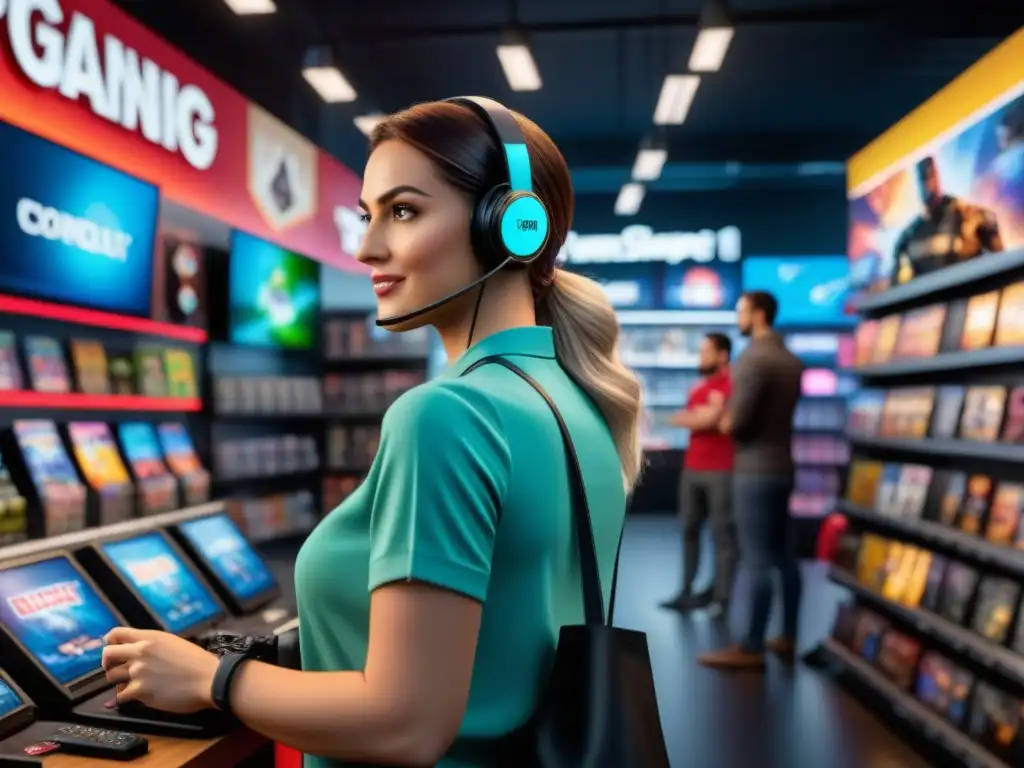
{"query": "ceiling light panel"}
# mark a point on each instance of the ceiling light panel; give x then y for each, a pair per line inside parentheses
(519, 67)
(330, 84)
(251, 7)
(675, 99)
(710, 49)
(630, 198)
(649, 163)
(366, 123)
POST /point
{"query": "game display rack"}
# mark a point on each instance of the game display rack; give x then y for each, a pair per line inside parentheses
(366, 369)
(934, 552)
(73, 382)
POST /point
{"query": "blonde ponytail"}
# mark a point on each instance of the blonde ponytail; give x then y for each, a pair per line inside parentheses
(586, 342)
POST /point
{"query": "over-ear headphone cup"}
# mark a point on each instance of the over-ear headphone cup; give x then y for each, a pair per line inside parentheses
(485, 228)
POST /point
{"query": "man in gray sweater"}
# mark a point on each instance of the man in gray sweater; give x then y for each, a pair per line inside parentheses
(765, 390)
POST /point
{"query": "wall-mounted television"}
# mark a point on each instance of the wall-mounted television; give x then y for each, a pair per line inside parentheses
(74, 231)
(273, 295)
(811, 290)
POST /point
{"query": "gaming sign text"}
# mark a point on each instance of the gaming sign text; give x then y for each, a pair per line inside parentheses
(65, 594)
(117, 83)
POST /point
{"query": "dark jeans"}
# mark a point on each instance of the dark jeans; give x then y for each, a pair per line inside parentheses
(767, 545)
(706, 497)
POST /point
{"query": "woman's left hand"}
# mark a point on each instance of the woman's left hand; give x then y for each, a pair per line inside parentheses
(159, 670)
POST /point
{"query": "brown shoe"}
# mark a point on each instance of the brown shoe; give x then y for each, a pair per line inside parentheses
(733, 657)
(782, 647)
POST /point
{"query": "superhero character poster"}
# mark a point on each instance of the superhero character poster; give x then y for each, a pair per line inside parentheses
(952, 201)
(58, 617)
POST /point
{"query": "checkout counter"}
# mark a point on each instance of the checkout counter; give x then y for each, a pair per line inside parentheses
(60, 694)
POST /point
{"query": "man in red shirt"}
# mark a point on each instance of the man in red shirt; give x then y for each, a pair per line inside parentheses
(705, 490)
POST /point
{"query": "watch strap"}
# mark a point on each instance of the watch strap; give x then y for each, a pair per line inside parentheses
(220, 691)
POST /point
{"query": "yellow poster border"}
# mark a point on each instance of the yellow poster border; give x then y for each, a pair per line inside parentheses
(991, 81)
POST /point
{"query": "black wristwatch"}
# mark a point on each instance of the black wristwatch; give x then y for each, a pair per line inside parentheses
(220, 692)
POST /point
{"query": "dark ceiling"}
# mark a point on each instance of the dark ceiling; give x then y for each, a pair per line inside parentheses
(805, 81)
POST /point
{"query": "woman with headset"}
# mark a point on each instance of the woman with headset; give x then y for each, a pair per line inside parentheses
(431, 599)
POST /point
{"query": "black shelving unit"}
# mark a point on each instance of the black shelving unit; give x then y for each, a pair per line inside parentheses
(365, 370)
(928, 527)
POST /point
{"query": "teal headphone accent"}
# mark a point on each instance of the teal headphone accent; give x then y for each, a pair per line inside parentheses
(510, 223)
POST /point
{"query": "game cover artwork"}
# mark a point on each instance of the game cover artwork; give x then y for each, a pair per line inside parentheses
(56, 616)
(168, 588)
(954, 201)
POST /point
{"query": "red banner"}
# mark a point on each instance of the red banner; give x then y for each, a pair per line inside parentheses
(84, 74)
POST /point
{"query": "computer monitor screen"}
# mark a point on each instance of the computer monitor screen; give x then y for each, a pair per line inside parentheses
(57, 616)
(9, 700)
(164, 583)
(229, 555)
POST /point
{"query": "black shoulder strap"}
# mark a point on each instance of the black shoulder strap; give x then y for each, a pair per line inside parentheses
(593, 599)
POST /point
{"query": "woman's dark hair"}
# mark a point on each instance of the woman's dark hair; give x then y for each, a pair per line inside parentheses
(586, 332)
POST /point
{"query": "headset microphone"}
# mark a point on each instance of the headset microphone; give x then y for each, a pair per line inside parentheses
(510, 223)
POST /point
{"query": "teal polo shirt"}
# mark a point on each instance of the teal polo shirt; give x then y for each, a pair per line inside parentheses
(469, 491)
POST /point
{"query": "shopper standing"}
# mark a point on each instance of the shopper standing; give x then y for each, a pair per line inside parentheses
(765, 391)
(705, 488)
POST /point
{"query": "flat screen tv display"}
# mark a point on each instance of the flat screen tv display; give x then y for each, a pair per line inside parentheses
(811, 290)
(74, 231)
(273, 295)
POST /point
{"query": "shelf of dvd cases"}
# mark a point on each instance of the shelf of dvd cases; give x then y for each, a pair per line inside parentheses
(15, 305)
(945, 448)
(942, 538)
(989, 357)
(927, 723)
(983, 652)
(963, 275)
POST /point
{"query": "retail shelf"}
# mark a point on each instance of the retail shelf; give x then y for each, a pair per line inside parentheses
(957, 449)
(15, 305)
(927, 723)
(77, 401)
(947, 361)
(942, 538)
(70, 541)
(956, 276)
(965, 642)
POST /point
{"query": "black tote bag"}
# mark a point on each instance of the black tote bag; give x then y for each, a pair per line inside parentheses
(599, 708)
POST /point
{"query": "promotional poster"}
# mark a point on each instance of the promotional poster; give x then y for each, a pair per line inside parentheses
(59, 618)
(229, 555)
(812, 291)
(68, 215)
(951, 201)
(165, 585)
(274, 295)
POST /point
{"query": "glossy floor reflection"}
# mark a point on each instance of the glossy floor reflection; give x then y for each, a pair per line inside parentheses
(787, 717)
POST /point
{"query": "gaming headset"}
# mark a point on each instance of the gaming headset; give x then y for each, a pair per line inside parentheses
(510, 223)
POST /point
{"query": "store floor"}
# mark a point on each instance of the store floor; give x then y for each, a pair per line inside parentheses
(785, 718)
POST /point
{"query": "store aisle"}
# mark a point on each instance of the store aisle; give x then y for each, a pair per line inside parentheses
(786, 718)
